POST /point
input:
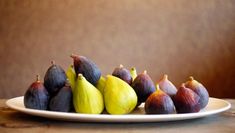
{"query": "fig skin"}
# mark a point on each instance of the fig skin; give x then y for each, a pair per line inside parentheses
(200, 90)
(123, 74)
(143, 86)
(36, 96)
(87, 68)
(167, 86)
(55, 78)
(159, 103)
(63, 100)
(186, 100)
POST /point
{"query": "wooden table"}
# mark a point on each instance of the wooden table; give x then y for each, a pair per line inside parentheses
(12, 121)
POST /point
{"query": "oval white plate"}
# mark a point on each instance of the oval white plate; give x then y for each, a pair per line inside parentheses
(214, 106)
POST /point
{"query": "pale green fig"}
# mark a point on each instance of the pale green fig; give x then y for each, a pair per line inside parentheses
(101, 84)
(86, 97)
(119, 96)
(133, 73)
(71, 76)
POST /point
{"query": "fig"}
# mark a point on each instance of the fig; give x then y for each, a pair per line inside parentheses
(71, 76)
(87, 68)
(101, 84)
(55, 78)
(186, 100)
(159, 103)
(119, 96)
(133, 73)
(86, 98)
(167, 86)
(143, 86)
(36, 96)
(123, 74)
(63, 100)
(200, 90)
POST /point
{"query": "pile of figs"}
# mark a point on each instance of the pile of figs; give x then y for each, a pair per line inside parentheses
(83, 89)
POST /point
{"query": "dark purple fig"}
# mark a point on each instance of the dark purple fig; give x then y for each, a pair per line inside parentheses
(186, 100)
(167, 86)
(63, 100)
(143, 86)
(123, 74)
(87, 68)
(36, 97)
(200, 90)
(159, 103)
(55, 78)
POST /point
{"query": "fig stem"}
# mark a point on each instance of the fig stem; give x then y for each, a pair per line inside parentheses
(145, 72)
(120, 66)
(133, 69)
(183, 85)
(73, 56)
(165, 76)
(191, 78)
(52, 62)
(38, 78)
(80, 76)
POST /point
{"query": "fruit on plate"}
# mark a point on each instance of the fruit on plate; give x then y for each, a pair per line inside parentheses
(86, 98)
(71, 76)
(55, 78)
(159, 103)
(167, 86)
(123, 74)
(186, 100)
(133, 73)
(87, 68)
(36, 96)
(119, 96)
(200, 90)
(101, 84)
(143, 86)
(62, 101)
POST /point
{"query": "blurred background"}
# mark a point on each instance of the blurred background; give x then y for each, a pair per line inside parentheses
(179, 38)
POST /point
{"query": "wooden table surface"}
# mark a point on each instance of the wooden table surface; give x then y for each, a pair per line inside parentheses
(12, 121)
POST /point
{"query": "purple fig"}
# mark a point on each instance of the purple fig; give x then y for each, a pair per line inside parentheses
(167, 86)
(123, 74)
(36, 96)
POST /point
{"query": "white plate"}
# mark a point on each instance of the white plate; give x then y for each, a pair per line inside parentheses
(214, 106)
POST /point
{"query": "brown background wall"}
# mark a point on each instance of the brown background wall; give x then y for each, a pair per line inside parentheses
(180, 38)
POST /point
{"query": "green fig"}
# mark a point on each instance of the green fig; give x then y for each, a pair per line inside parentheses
(119, 96)
(200, 90)
(167, 86)
(101, 84)
(86, 98)
(159, 103)
(71, 75)
(133, 73)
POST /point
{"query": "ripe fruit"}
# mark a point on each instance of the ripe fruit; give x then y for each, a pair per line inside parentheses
(87, 68)
(101, 84)
(36, 97)
(200, 90)
(55, 78)
(133, 73)
(62, 101)
(123, 74)
(143, 86)
(71, 75)
(119, 97)
(186, 100)
(159, 103)
(167, 86)
(86, 98)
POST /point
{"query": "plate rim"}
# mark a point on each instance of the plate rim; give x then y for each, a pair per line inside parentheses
(115, 118)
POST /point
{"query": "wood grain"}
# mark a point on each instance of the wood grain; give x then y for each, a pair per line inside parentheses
(180, 38)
